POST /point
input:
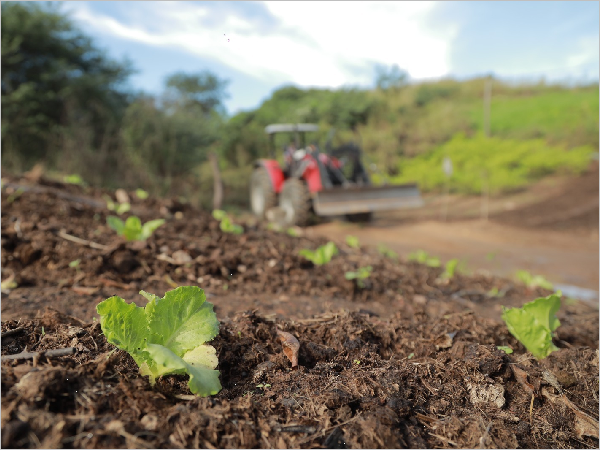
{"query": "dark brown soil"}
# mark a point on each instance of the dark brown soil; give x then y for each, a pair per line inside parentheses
(407, 361)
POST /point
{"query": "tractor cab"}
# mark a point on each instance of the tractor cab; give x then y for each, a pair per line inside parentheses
(334, 182)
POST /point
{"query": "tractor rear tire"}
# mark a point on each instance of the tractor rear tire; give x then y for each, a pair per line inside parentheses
(296, 202)
(262, 194)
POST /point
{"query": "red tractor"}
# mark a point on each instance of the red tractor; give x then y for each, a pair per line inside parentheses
(334, 183)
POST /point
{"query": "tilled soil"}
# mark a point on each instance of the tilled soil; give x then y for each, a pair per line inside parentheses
(408, 360)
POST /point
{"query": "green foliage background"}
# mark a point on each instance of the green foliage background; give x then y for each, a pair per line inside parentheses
(68, 105)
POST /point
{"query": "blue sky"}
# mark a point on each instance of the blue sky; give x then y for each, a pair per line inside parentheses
(260, 46)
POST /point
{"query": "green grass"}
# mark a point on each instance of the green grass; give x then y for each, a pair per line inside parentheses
(506, 164)
(558, 116)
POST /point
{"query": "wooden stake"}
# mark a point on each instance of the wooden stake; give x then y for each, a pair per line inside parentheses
(218, 183)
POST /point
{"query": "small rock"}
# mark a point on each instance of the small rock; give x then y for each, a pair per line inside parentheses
(122, 196)
(181, 257)
(149, 422)
(490, 393)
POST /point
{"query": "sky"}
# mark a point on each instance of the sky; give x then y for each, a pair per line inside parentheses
(261, 46)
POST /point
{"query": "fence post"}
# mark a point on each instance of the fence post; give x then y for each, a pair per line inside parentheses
(217, 182)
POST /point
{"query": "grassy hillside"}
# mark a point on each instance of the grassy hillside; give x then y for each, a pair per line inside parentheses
(536, 130)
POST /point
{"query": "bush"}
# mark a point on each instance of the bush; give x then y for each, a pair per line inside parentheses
(507, 164)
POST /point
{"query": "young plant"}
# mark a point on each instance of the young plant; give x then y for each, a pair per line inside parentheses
(167, 336)
(14, 196)
(534, 323)
(75, 264)
(533, 281)
(141, 194)
(73, 179)
(132, 229)
(352, 241)
(422, 257)
(450, 269)
(322, 255)
(384, 251)
(226, 224)
(293, 232)
(361, 274)
(119, 208)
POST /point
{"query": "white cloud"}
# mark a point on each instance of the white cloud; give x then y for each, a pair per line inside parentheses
(313, 43)
(587, 53)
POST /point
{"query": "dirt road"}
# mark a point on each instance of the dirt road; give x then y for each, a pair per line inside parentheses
(550, 230)
(499, 249)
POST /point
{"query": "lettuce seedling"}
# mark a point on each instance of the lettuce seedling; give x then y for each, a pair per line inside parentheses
(74, 179)
(141, 194)
(226, 224)
(322, 255)
(352, 241)
(132, 228)
(422, 257)
(533, 281)
(450, 269)
(534, 323)
(167, 336)
(384, 251)
(293, 232)
(119, 208)
(361, 274)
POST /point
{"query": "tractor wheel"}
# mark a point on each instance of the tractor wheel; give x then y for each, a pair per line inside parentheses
(295, 201)
(360, 217)
(262, 194)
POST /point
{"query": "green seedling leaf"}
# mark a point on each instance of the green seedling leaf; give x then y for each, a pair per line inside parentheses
(132, 228)
(110, 204)
(384, 251)
(494, 292)
(15, 195)
(292, 232)
(141, 194)
(534, 323)
(74, 264)
(422, 257)
(167, 336)
(226, 224)
(322, 255)
(8, 284)
(361, 274)
(123, 208)
(505, 349)
(352, 241)
(149, 227)
(219, 214)
(450, 269)
(229, 227)
(116, 224)
(533, 281)
(73, 179)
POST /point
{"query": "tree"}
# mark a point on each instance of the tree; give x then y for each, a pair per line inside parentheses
(52, 74)
(203, 92)
(394, 77)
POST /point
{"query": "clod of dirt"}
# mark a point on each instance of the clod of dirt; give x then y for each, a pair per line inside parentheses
(491, 393)
(290, 346)
(261, 371)
(124, 261)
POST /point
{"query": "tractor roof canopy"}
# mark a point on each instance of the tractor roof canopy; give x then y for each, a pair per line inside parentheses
(291, 127)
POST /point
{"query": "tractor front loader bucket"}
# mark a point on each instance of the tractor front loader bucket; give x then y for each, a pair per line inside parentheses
(339, 201)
